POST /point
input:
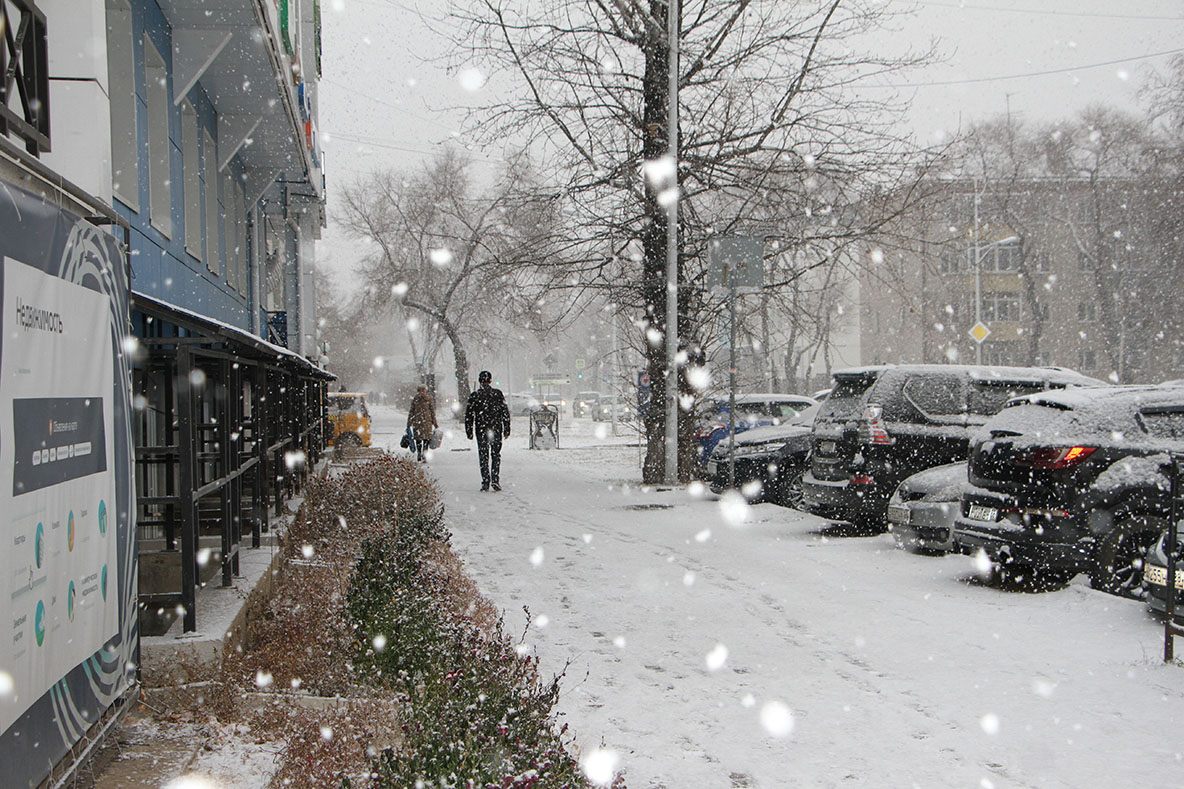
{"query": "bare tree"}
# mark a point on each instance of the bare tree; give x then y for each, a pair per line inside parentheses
(448, 251)
(769, 107)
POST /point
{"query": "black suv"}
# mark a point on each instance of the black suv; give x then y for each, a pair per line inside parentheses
(1074, 481)
(885, 423)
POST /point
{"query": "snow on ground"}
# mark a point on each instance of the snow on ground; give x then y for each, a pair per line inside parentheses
(710, 651)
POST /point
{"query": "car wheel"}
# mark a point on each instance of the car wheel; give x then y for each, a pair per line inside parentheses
(791, 488)
(1118, 563)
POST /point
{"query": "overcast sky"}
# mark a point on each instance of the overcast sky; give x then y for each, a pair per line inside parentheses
(384, 103)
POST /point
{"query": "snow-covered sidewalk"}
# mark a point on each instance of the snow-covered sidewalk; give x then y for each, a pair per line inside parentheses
(714, 645)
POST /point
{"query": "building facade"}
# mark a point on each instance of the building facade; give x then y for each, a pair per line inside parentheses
(1067, 273)
(162, 155)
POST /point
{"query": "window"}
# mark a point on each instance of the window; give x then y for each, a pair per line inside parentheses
(953, 259)
(1001, 257)
(1163, 421)
(210, 161)
(992, 256)
(1042, 310)
(121, 76)
(1043, 261)
(988, 397)
(230, 227)
(1001, 307)
(1087, 311)
(156, 91)
(1000, 353)
(191, 172)
(936, 394)
(240, 216)
(1087, 360)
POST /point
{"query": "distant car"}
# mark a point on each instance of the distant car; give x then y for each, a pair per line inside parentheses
(752, 410)
(522, 403)
(881, 424)
(1074, 481)
(584, 403)
(349, 418)
(769, 461)
(611, 404)
(922, 510)
(553, 399)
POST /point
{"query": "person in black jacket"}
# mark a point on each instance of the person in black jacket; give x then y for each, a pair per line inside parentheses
(486, 412)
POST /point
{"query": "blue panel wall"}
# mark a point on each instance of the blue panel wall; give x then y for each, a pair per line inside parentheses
(161, 267)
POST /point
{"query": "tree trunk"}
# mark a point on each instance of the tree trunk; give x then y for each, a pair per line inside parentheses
(655, 116)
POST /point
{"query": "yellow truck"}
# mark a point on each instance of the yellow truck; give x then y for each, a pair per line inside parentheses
(350, 419)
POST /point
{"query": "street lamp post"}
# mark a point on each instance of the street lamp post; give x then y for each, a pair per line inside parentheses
(980, 250)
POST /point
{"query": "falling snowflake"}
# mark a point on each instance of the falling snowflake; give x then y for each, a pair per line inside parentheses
(734, 508)
(471, 79)
(717, 657)
(776, 719)
(600, 766)
(537, 556)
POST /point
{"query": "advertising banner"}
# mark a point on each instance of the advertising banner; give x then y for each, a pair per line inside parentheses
(67, 570)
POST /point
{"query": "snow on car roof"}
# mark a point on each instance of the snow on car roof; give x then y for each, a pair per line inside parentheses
(981, 372)
(1098, 416)
(771, 397)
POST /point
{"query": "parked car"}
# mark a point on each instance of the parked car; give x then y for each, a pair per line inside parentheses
(769, 460)
(584, 403)
(522, 403)
(752, 410)
(882, 424)
(349, 419)
(1155, 575)
(923, 507)
(1074, 481)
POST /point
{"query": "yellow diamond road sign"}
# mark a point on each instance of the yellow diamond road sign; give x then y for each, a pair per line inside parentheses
(980, 332)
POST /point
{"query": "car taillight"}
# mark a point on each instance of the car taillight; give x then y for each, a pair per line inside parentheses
(1054, 457)
(872, 429)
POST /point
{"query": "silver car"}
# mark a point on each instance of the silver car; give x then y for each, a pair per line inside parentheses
(921, 511)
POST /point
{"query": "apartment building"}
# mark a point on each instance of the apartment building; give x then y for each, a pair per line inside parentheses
(1068, 273)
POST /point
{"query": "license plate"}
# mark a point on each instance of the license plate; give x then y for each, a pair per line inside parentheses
(827, 447)
(711, 468)
(980, 513)
(898, 514)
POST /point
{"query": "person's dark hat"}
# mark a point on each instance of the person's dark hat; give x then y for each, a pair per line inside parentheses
(484, 377)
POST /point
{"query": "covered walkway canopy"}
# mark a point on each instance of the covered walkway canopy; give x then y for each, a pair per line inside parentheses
(227, 426)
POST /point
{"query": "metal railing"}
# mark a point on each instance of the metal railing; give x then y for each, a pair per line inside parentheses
(24, 75)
